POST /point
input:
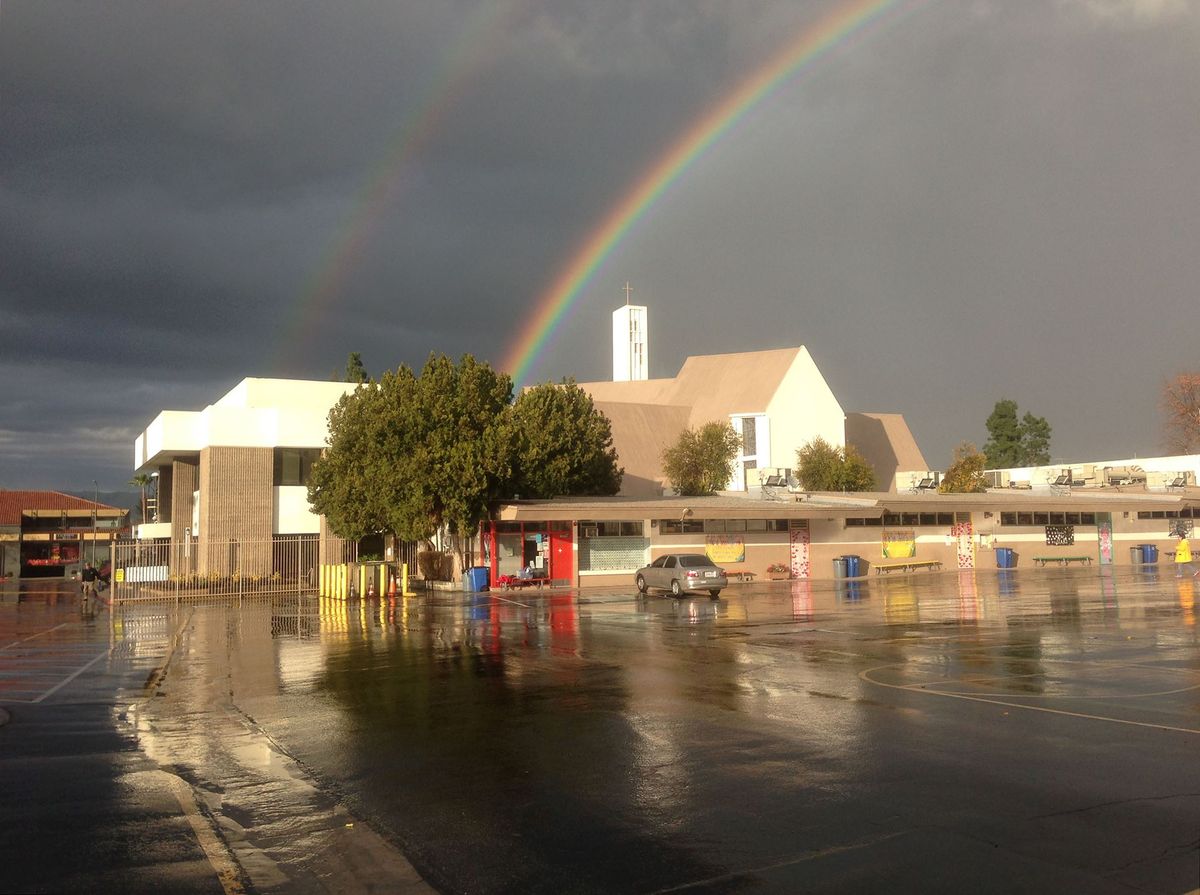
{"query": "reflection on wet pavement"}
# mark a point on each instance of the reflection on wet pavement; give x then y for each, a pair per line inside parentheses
(607, 741)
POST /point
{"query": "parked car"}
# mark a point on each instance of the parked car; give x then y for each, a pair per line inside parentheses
(679, 572)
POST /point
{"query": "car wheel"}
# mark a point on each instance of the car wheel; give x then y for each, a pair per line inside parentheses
(641, 584)
(715, 593)
(676, 590)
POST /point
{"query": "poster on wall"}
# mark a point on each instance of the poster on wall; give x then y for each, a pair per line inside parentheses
(799, 538)
(723, 549)
(899, 544)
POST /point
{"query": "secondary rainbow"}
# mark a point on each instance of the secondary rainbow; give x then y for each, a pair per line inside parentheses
(554, 304)
(326, 281)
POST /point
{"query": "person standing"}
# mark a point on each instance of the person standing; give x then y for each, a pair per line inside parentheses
(89, 577)
(1183, 556)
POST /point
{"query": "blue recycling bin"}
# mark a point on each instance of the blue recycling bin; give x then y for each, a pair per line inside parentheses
(839, 567)
(1149, 553)
(475, 579)
(1005, 558)
(853, 565)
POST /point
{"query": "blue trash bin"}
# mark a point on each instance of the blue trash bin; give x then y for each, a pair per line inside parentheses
(853, 565)
(1149, 553)
(1005, 559)
(839, 567)
(475, 579)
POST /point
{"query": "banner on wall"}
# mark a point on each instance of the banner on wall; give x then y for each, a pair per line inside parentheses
(961, 534)
(723, 549)
(899, 544)
(1104, 535)
(799, 538)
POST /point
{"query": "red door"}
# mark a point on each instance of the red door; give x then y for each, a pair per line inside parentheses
(562, 555)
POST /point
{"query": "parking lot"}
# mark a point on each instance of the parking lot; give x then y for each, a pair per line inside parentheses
(1032, 730)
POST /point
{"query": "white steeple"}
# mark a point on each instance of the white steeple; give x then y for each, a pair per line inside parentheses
(631, 351)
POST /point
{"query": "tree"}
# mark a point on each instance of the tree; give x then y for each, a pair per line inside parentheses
(142, 480)
(355, 371)
(410, 454)
(1181, 407)
(965, 475)
(1015, 442)
(700, 461)
(821, 466)
(562, 444)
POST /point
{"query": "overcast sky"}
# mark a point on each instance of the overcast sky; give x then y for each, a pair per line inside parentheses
(976, 200)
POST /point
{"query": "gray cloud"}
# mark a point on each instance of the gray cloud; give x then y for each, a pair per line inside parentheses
(977, 201)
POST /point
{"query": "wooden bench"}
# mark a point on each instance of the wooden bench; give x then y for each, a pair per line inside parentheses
(1063, 560)
(739, 574)
(906, 565)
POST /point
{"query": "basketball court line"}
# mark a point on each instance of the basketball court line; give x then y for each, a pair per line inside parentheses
(920, 688)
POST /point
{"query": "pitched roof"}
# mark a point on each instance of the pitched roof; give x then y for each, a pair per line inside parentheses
(711, 385)
(642, 432)
(14, 503)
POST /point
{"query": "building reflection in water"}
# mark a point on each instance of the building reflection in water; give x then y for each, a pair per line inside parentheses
(802, 600)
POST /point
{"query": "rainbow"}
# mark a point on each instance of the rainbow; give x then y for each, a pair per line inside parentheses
(810, 44)
(380, 189)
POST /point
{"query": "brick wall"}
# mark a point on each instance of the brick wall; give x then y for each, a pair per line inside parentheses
(237, 510)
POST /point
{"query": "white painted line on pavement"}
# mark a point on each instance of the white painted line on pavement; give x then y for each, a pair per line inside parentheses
(32, 636)
(71, 677)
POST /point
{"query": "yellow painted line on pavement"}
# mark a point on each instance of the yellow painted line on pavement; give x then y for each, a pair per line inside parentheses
(911, 688)
(228, 873)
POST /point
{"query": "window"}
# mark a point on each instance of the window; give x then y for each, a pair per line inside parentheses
(670, 563)
(749, 437)
(615, 529)
(714, 526)
(756, 525)
(293, 466)
(658, 563)
(1041, 518)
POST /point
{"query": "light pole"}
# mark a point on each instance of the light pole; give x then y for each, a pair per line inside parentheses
(95, 508)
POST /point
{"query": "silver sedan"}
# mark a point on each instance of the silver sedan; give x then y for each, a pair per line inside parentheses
(679, 572)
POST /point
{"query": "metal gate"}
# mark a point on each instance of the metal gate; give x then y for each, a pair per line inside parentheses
(196, 567)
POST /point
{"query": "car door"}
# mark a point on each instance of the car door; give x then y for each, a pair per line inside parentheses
(666, 573)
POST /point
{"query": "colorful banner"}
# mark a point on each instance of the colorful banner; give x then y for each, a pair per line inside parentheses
(723, 549)
(961, 533)
(1104, 536)
(800, 537)
(899, 544)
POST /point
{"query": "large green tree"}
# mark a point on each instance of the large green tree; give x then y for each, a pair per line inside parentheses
(701, 461)
(821, 466)
(562, 444)
(965, 474)
(411, 453)
(1014, 441)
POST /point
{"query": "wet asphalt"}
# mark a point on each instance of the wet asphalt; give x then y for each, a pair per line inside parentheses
(995, 731)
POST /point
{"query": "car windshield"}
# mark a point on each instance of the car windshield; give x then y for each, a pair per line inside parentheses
(695, 560)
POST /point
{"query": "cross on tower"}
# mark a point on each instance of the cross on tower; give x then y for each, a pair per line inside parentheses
(628, 289)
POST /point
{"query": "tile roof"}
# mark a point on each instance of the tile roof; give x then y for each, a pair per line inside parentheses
(14, 503)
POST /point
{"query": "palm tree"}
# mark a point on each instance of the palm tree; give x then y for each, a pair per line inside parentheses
(141, 480)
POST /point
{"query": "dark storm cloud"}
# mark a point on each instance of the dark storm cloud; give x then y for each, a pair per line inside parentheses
(983, 200)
